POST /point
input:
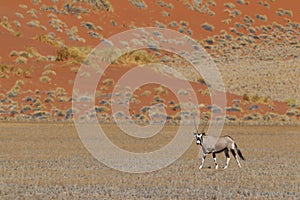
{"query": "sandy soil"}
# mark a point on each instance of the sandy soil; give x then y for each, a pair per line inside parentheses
(49, 161)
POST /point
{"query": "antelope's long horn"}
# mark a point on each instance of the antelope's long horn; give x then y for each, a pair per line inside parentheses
(195, 125)
(204, 126)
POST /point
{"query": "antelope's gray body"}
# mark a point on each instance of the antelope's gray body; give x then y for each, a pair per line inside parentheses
(216, 145)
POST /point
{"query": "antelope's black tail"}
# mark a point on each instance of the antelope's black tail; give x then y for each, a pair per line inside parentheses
(239, 152)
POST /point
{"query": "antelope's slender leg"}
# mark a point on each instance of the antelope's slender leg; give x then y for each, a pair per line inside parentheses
(215, 159)
(202, 160)
(227, 158)
(236, 158)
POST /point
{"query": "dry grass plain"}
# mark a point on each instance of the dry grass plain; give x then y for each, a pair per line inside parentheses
(48, 161)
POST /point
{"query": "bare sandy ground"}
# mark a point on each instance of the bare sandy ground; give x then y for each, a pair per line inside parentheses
(39, 161)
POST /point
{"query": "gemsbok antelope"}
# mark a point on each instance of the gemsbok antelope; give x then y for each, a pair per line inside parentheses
(214, 145)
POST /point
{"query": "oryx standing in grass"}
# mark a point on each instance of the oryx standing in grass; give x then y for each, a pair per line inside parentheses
(214, 145)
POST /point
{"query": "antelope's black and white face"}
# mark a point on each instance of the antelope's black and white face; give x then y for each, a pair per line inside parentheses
(199, 138)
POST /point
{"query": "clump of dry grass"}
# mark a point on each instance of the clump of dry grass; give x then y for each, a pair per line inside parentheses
(6, 25)
(28, 53)
(137, 57)
(45, 79)
(160, 90)
(48, 39)
(6, 70)
(75, 54)
(164, 4)
(108, 82)
(15, 90)
(146, 93)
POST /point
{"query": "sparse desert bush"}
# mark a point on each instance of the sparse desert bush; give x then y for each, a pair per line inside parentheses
(189, 31)
(160, 24)
(203, 9)
(36, 2)
(158, 99)
(49, 100)
(165, 13)
(146, 93)
(177, 116)
(240, 2)
(145, 109)
(175, 107)
(231, 118)
(234, 108)
(12, 94)
(257, 98)
(88, 25)
(284, 118)
(282, 12)
(45, 79)
(183, 92)
(17, 23)
(77, 54)
(33, 13)
(48, 72)
(173, 24)
(25, 109)
(134, 99)
(160, 90)
(59, 113)
(23, 6)
(164, 4)
(103, 88)
(109, 82)
(74, 69)
(100, 109)
(59, 91)
(253, 116)
(229, 5)
(235, 13)
(105, 102)
(292, 112)
(261, 17)
(64, 99)
(291, 103)
(40, 115)
(269, 116)
(136, 57)
(139, 4)
(49, 39)
(33, 23)
(211, 13)
(19, 15)
(94, 34)
(6, 25)
(207, 27)
(246, 97)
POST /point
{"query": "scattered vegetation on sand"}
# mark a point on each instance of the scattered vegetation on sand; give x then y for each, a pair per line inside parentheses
(6, 25)
(207, 27)
(137, 57)
(139, 4)
(73, 54)
(6, 70)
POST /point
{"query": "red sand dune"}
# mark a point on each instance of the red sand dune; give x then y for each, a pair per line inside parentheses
(123, 17)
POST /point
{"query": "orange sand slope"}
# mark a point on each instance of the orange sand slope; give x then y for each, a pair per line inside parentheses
(44, 42)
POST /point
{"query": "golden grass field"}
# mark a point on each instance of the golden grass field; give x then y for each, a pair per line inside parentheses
(48, 161)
